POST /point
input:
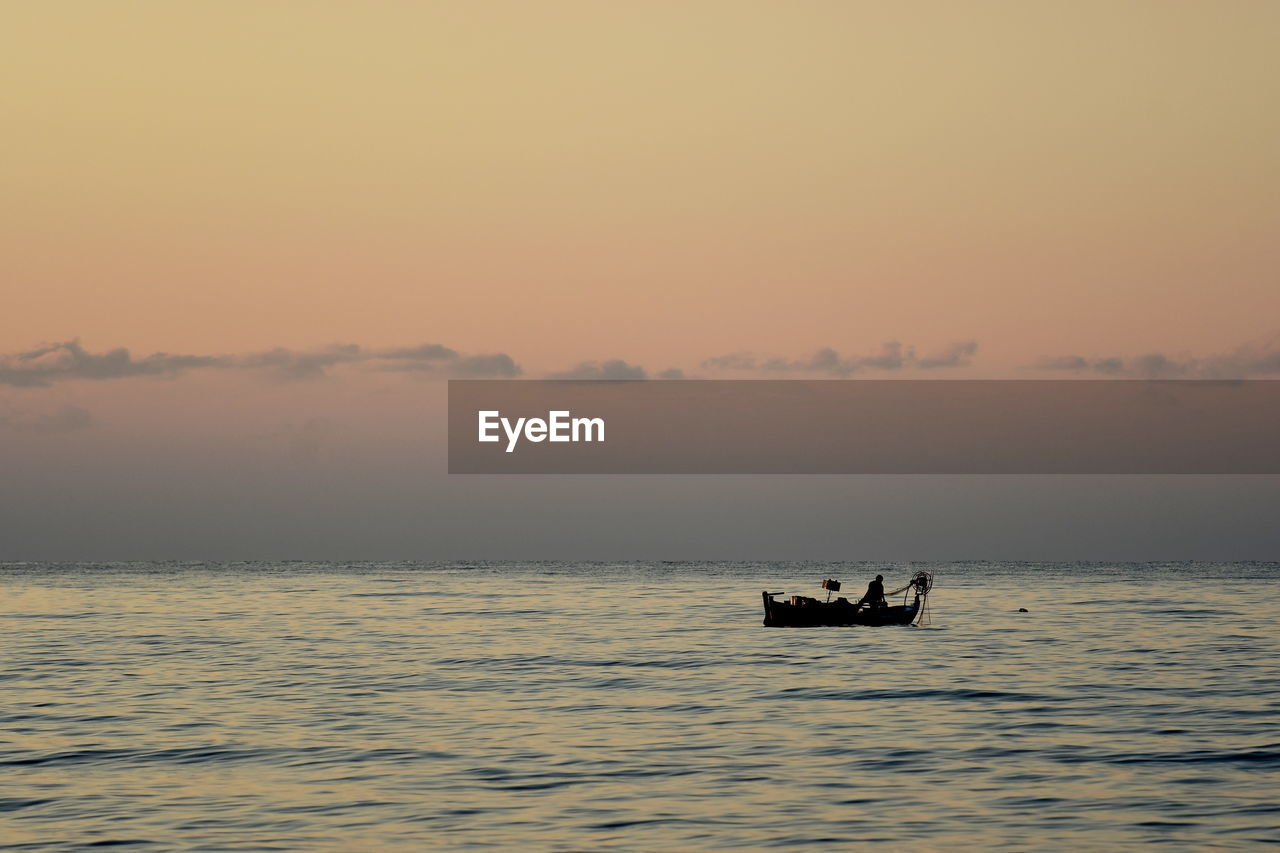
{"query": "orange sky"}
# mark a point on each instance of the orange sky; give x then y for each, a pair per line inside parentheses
(659, 182)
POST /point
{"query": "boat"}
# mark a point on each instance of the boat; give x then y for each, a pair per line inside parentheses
(801, 611)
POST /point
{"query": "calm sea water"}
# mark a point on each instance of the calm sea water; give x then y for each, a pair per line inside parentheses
(399, 706)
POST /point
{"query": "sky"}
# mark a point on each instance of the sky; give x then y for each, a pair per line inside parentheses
(243, 244)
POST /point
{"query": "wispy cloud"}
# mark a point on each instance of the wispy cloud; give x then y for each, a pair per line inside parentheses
(68, 360)
(614, 368)
(1256, 358)
(959, 354)
(50, 363)
(828, 362)
(1079, 363)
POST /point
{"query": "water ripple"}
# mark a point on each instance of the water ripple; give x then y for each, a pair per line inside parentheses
(395, 706)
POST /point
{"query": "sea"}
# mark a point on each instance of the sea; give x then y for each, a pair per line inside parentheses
(408, 706)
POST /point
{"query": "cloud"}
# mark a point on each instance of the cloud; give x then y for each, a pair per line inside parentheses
(496, 366)
(428, 358)
(959, 354)
(421, 354)
(614, 368)
(57, 362)
(827, 361)
(1256, 358)
(732, 361)
(1075, 362)
(65, 419)
(51, 363)
(291, 364)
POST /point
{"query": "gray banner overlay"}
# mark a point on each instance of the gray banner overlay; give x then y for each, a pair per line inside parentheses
(865, 427)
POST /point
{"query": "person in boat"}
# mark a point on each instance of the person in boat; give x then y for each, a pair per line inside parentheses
(875, 594)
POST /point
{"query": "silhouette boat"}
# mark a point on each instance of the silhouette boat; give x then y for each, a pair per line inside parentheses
(801, 611)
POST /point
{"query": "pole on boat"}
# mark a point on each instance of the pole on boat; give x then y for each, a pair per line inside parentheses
(830, 585)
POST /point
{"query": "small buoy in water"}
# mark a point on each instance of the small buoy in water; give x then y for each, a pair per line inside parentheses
(1023, 610)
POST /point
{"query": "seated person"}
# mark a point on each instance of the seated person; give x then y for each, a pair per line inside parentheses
(875, 593)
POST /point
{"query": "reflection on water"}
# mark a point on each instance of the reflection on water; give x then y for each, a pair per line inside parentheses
(633, 707)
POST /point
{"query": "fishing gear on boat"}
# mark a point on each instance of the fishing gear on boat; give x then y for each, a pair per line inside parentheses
(922, 582)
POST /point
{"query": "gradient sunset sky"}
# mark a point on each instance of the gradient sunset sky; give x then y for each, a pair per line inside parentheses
(718, 188)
